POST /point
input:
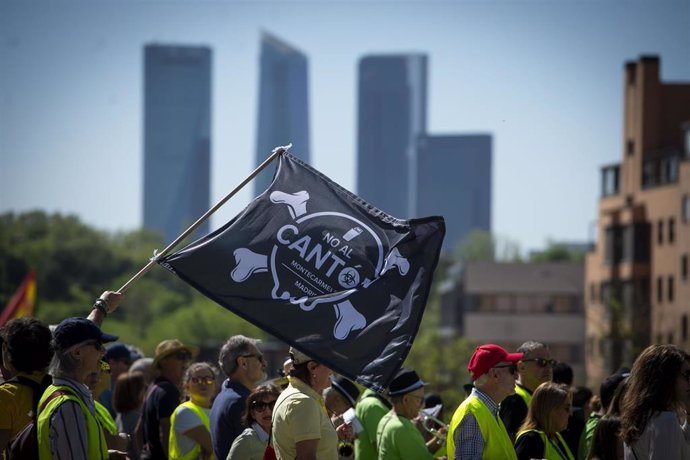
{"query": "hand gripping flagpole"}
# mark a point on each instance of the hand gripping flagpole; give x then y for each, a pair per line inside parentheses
(154, 260)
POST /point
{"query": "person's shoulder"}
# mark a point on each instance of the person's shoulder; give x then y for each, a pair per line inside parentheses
(666, 419)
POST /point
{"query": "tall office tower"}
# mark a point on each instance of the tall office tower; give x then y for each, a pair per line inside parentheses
(392, 114)
(283, 105)
(454, 181)
(637, 275)
(177, 112)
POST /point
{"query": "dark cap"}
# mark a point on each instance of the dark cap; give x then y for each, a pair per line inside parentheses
(405, 381)
(609, 385)
(118, 352)
(73, 331)
(487, 356)
(346, 388)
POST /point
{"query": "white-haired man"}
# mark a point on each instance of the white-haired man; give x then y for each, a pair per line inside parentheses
(476, 430)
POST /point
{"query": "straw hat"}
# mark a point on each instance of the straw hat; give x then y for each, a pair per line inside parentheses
(170, 347)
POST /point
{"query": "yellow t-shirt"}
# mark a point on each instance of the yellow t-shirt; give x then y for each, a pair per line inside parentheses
(16, 403)
(300, 415)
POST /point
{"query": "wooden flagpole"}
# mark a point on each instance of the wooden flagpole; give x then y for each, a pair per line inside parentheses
(154, 260)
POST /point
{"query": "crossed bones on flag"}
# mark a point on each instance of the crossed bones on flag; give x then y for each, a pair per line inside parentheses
(348, 318)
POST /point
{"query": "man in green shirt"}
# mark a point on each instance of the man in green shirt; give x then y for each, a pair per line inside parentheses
(396, 436)
(369, 410)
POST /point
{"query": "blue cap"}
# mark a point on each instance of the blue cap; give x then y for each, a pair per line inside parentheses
(118, 352)
(72, 331)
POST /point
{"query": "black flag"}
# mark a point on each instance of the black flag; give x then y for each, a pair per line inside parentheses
(321, 269)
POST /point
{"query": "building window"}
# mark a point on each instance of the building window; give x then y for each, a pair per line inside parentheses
(685, 211)
(684, 267)
(684, 327)
(660, 232)
(659, 289)
(593, 293)
(670, 289)
(671, 230)
(613, 251)
(630, 147)
(609, 180)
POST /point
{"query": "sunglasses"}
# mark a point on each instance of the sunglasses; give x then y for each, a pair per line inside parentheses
(261, 406)
(203, 380)
(97, 345)
(183, 355)
(511, 368)
(258, 356)
(541, 362)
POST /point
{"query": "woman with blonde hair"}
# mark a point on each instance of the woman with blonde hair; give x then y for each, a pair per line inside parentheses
(251, 444)
(190, 436)
(653, 417)
(548, 413)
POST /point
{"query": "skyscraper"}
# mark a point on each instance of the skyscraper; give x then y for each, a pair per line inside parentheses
(177, 112)
(392, 113)
(454, 181)
(283, 104)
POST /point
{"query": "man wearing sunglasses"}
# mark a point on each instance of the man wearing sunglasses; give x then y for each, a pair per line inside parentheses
(476, 430)
(67, 424)
(244, 365)
(535, 368)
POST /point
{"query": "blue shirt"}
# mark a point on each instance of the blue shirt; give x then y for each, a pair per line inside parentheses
(226, 415)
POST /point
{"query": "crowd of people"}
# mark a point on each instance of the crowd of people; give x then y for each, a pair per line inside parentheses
(75, 392)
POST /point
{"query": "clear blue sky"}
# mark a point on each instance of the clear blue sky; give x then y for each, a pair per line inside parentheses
(543, 77)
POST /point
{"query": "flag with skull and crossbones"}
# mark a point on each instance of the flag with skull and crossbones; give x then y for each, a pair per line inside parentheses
(316, 266)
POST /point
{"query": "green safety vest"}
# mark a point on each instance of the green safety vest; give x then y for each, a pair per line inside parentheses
(105, 419)
(173, 448)
(524, 394)
(97, 448)
(497, 443)
(551, 451)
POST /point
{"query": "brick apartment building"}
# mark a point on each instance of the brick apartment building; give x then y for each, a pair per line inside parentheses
(637, 288)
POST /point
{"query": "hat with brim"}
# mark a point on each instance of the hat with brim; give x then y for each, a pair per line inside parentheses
(74, 331)
(487, 356)
(405, 381)
(346, 389)
(298, 357)
(170, 347)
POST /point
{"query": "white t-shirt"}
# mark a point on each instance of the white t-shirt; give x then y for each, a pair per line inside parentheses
(185, 420)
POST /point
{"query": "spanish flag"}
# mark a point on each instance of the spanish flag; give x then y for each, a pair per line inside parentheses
(22, 302)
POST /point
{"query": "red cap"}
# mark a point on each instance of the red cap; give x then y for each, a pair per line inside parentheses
(487, 356)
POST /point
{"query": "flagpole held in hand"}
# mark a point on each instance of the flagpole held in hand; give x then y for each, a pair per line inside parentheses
(154, 260)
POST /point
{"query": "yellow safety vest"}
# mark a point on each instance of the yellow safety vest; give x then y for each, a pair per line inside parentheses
(97, 448)
(552, 451)
(173, 448)
(105, 419)
(497, 443)
(524, 394)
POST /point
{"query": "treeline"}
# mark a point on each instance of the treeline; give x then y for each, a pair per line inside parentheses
(74, 263)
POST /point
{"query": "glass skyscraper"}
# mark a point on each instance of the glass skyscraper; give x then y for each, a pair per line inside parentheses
(283, 105)
(454, 181)
(177, 147)
(391, 115)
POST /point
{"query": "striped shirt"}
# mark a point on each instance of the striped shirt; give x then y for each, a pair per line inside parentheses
(68, 436)
(469, 442)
